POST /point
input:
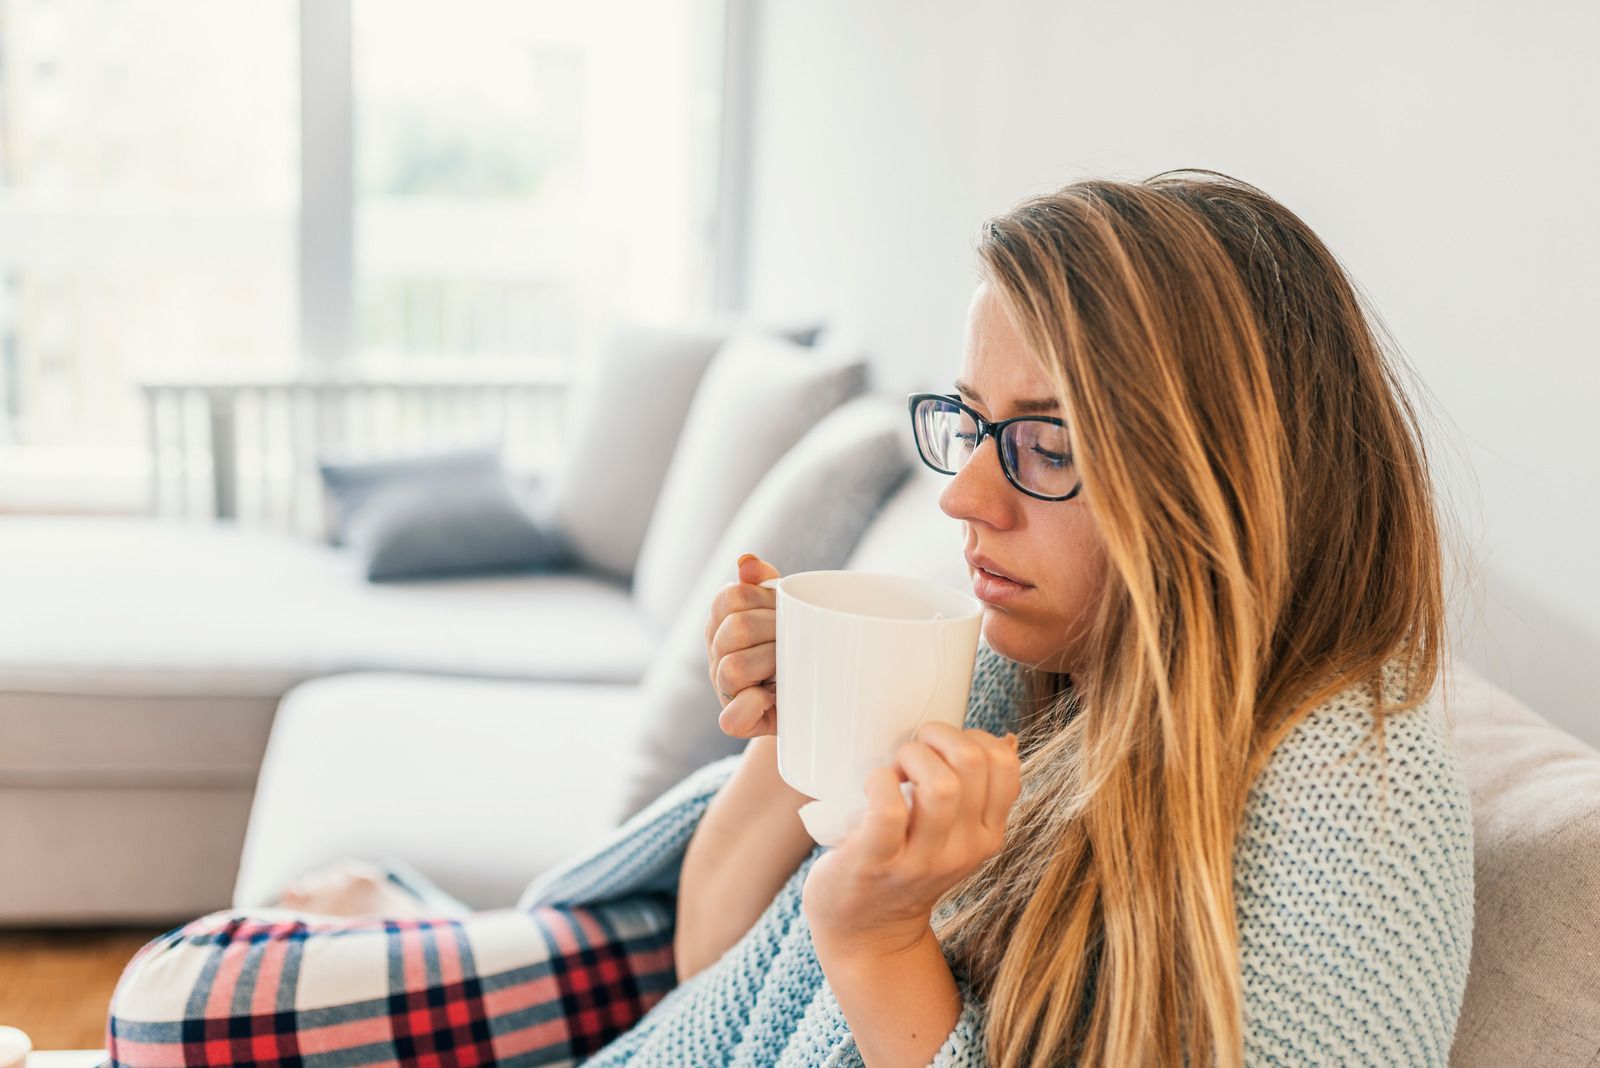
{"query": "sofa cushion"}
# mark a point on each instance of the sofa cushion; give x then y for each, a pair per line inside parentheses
(760, 396)
(475, 524)
(480, 784)
(624, 418)
(144, 609)
(1533, 987)
(347, 485)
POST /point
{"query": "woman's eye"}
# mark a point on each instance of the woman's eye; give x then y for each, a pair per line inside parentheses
(1054, 459)
(968, 438)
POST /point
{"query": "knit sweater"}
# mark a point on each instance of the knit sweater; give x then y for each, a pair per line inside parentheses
(1354, 938)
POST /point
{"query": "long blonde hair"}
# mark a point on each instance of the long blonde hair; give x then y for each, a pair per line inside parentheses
(1260, 482)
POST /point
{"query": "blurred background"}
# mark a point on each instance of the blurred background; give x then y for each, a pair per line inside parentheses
(234, 232)
(264, 190)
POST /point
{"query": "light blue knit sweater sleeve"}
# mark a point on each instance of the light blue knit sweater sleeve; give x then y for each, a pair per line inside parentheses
(642, 854)
(1355, 908)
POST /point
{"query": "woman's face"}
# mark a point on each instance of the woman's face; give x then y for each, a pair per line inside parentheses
(1052, 548)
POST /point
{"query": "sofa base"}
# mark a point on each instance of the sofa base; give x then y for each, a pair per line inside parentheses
(89, 855)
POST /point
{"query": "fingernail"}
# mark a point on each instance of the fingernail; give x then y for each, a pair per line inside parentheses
(746, 556)
(1012, 738)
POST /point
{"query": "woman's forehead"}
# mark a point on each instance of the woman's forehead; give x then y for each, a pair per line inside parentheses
(998, 367)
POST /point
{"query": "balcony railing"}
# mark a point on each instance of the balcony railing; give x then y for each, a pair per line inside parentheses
(247, 450)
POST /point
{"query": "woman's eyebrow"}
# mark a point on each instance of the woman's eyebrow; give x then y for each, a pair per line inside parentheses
(1038, 404)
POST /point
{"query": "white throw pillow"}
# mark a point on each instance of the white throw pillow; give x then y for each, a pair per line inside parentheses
(808, 513)
(626, 414)
(760, 395)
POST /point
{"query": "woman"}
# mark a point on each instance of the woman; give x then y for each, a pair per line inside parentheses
(1198, 578)
(1226, 822)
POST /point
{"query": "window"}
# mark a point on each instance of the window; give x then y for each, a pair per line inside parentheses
(516, 187)
(148, 185)
(518, 173)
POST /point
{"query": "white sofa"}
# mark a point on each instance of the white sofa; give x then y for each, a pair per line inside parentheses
(142, 661)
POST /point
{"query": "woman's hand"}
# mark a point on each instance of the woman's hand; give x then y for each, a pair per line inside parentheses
(875, 892)
(742, 651)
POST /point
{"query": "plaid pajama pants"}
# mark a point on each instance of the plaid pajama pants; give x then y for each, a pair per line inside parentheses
(544, 986)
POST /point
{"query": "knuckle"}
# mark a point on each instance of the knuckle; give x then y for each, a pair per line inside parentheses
(944, 786)
(722, 640)
(986, 741)
(968, 758)
(1003, 758)
(738, 628)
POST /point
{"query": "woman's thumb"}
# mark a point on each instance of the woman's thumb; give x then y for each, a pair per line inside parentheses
(753, 569)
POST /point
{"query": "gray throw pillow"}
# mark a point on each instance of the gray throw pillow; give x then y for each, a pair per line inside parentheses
(624, 418)
(438, 527)
(760, 395)
(347, 484)
(807, 513)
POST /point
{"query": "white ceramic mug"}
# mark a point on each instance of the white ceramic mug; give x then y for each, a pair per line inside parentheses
(863, 658)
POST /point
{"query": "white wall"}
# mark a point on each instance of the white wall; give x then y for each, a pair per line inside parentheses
(1448, 153)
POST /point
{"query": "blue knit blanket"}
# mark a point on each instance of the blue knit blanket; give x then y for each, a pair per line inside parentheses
(1354, 938)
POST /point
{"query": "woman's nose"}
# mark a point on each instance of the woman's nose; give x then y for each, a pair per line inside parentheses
(979, 490)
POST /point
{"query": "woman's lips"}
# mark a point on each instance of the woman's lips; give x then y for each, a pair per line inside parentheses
(993, 589)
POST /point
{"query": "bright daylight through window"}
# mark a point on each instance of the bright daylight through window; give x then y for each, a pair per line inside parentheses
(505, 178)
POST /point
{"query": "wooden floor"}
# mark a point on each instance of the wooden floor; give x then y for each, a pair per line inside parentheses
(56, 984)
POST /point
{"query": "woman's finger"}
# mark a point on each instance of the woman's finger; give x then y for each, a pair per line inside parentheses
(744, 668)
(881, 834)
(967, 754)
(751, 713)
(1005, 782)
(754, 571)
(743, 593)
(745, 630)
(936, 797)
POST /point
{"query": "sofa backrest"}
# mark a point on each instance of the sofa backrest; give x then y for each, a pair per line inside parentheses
(1533, 988)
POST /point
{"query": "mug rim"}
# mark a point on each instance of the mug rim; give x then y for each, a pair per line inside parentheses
(974, 607)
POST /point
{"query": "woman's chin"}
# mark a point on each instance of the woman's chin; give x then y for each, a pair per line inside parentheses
(1001, 633)
(1006, 635)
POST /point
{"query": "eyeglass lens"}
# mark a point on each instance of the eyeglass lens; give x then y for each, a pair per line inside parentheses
(1037, 454)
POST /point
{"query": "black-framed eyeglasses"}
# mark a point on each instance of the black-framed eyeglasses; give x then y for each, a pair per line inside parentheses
(1035, 450)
